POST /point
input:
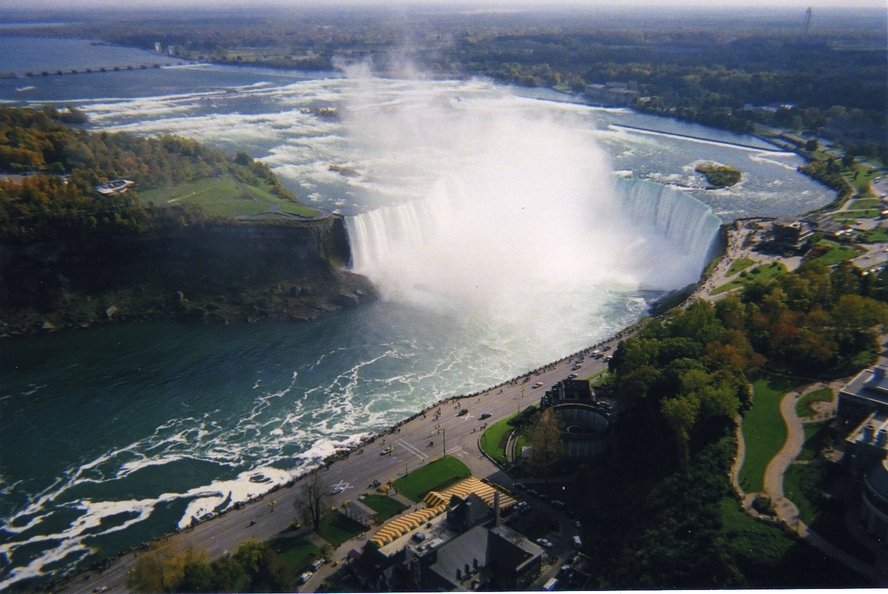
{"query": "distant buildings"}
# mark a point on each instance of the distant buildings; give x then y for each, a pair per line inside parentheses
(612, 93)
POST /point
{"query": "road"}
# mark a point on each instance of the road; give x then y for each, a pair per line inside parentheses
(450, 433)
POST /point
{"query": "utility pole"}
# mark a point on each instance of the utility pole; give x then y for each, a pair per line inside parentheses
(808, 14)
(444, 440)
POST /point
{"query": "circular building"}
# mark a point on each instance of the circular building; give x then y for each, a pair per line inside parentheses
(874, 511)
(585, 428)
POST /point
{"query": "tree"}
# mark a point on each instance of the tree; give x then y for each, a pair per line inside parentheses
(545, 439)
(161, 568)
(313, 499)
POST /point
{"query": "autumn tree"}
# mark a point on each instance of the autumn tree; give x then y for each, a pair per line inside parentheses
(312, 500)
(545, 441)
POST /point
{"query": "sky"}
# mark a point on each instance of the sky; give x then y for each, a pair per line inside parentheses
(707, 4)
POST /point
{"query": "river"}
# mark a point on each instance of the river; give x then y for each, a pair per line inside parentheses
(492, 218)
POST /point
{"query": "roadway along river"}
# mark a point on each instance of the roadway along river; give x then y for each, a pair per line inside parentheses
(265, 518)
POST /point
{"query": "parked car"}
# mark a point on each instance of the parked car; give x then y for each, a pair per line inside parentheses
(571, 376)
(519, 486)
(316, 564)
(304, 577)
(485, 415)
(545, 543)
(577, 542)
(533, 492)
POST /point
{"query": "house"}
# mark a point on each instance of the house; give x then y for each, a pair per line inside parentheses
(114, 187)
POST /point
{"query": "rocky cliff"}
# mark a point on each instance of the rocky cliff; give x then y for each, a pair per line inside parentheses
(217, 271)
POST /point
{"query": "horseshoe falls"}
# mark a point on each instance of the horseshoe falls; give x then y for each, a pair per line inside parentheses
(493, 223)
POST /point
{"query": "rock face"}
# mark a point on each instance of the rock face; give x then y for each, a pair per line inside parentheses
(217, 271)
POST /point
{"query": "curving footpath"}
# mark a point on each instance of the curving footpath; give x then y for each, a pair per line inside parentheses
(786, 510)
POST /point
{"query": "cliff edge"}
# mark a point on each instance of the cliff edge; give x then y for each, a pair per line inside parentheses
(213, 271)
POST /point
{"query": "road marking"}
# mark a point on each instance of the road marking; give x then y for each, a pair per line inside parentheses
(412, 449)
(455, 449)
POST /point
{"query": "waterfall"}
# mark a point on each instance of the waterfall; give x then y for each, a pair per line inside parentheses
(679, 217)
(641, 233)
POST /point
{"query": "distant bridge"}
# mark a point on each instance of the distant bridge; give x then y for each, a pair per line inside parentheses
(91, 70)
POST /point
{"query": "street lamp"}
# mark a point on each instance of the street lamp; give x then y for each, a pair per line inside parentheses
(444, 441)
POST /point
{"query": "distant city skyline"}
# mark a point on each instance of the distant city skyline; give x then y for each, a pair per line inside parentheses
(627, 4)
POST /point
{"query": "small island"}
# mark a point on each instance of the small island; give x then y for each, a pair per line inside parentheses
(719, 176)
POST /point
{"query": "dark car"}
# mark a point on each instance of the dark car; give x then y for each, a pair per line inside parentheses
(485, 415)
(462, 412)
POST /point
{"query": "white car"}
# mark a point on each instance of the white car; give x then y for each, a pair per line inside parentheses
(336, 489)
(545, 543)
(303, 578)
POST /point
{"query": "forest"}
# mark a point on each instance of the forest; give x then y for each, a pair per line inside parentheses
(664, 516)
(58, 166)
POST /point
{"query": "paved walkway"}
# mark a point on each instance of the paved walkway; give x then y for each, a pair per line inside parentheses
(786, 511)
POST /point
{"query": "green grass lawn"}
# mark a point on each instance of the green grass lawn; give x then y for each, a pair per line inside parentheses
(877, 235)
(493, 440)
(803, 405)
(834, 253)
(336, 528)
(815, 435)
(295, 552)
(792, 489)
(433, 476)
(384, 506)
(764, 431)
(769, 558)
(763, 272)
(225, 197)
(740, 264)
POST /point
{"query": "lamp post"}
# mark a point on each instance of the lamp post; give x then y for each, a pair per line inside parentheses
(444, 441)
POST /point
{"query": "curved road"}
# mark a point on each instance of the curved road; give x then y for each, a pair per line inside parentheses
(267, 517)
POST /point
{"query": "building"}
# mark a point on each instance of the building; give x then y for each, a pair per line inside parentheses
(867, 445)
(791, 235)
(459, 545)
(865, 394)
(874, 508)
(114, 187)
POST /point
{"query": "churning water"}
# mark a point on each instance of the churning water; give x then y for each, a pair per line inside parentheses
(493, 222)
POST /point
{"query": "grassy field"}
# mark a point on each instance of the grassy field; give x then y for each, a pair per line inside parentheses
(803, 406)
(763, 429)
(876, 235)
(225, 197)
(336, 528)
(769, 558)
(384, 506)
(295, 552)
(434, 475)
(763, 272)
(493, 440)
(834, 253)
(739, 264)
(815, 435)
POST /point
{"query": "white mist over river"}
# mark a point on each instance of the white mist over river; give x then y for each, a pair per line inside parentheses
(504, 228)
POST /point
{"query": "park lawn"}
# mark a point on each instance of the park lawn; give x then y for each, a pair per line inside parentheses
(336, 528)
(224, 196)
(598, 378)
(740, 264)
(384, 506)
(815, 436)
(792, 489)
(433, 476)
(493, 440)
(295, 552)
(833, 253)
(803, 406)
(877, 235)
(769, 558)
(763, 272)
(764, 431)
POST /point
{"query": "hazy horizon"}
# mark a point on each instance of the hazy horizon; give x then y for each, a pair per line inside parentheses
(159, 5)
